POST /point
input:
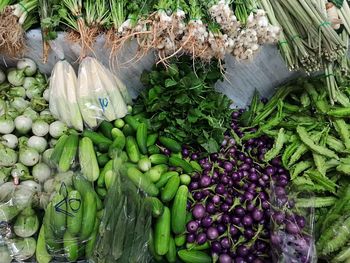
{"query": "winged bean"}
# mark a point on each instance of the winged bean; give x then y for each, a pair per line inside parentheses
(343, 131)
(307, 140)
(299, 168)
(277, 147)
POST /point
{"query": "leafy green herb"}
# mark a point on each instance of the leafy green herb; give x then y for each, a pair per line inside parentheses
(181, 99)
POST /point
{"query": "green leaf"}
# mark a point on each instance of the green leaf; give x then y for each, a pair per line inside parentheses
(211, 146)
(170, 83)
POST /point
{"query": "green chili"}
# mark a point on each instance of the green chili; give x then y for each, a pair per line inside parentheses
(271, 105)
(307, 140)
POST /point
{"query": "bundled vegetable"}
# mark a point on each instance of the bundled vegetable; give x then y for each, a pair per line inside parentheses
(15, 20)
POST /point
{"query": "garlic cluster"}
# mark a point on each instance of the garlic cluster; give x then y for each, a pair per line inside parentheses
(171, 35)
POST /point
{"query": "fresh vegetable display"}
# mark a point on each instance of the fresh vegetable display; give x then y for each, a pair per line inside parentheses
(177, 174)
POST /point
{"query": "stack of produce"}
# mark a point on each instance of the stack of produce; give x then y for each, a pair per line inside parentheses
(204, 30)
(95, 95)
(27, 130)
(312, 139)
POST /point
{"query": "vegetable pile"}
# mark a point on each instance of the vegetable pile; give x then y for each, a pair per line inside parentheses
(174, 102)
(204, 30)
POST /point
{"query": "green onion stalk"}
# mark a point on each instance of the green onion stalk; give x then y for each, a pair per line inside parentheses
(243, 8)
(4, 3)
(97, 16)
(71, 15)
(195, 40)
(14, 21)
(161, 38)
(49, 20)
(118, 16)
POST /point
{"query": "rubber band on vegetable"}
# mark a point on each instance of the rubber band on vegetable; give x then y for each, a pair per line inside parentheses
(325, 23)
(295, 37)
(283, 42)
(24, 8)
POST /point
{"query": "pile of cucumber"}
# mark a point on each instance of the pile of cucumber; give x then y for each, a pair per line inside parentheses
(151, 161)
(71, 222)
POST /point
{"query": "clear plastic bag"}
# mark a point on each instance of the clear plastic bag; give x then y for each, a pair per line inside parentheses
(292, 229)
(71, 221)
(99, 95)
(19, 222)
(126, 223)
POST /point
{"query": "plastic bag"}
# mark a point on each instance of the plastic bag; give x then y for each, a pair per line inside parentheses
(99, 97)
(71, 221)
(126, 223)
(292, 229)
(19, 222)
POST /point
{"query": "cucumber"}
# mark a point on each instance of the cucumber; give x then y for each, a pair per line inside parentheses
(170, 189)
(117, 133)
(58, 215)
(178, 212)
(132, 149)
(194, 246)
(88, 160)
(109, 177)
(102, 192)
(90, 244)
(89, 215)
(164, 178)
(171, 254)
(102, 159)
(74, 212)
(185, 179)
(180, 240)
(127, 130)
(119, 123)
(151, 139)
(162, 233)
(57, 152)
(96, 138)
(153, 149)
(155, 172)
(51, 241)
(171, 144)
(69, 152)
(142, 181)
(70, 244)
(103, 147)
(178, 162)
(41, 253)
(101, 177)
(132, 121)
(189, 256)
(158, 158)
(119, 139)
(106, 129)
(157, 206)
(151, 247)
(141, 137)
(196, 166)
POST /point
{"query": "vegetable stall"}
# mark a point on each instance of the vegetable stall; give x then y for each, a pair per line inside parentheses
(174, 131)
